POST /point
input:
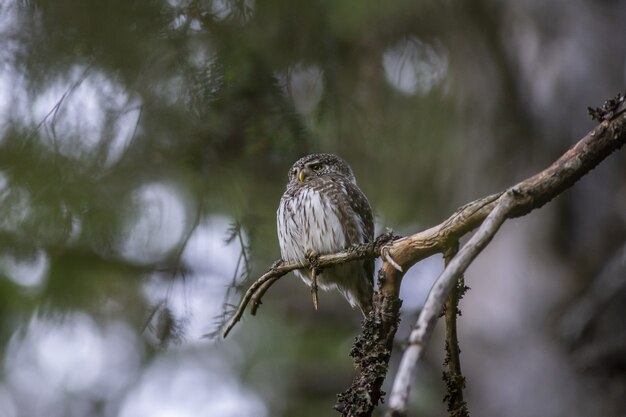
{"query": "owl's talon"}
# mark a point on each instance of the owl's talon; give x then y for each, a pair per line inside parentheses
(312, 256)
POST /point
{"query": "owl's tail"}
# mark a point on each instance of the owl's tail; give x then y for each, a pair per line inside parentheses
(364, 296)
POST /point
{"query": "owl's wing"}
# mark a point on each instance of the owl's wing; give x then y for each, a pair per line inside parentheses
(361, 207)
(363, 211)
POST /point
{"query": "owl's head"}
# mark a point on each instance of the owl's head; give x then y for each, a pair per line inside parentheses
(319, 165)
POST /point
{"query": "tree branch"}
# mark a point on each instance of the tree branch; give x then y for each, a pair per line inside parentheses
(372, 349)
(436, 298)
(453, 376)
(526, 196)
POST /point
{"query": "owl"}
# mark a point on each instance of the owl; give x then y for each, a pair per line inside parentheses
(324, 211)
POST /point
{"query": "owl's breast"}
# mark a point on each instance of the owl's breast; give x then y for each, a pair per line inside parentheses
(309, 220)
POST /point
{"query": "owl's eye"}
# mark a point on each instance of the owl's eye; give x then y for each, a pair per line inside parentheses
(317, 167)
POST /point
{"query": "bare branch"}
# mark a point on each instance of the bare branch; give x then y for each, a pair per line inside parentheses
(436, 298)
(363, 395)
(273, 274)
(453, 376)
(256, 297)
(314, 288)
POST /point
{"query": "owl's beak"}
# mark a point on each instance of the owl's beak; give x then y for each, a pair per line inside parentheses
(304, 172)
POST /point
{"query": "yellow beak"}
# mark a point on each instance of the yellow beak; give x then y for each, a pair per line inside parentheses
(304, 173)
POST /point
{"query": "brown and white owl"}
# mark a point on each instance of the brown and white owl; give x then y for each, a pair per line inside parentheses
(324, 211)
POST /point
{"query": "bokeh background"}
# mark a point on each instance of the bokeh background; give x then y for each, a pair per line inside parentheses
(144, 146)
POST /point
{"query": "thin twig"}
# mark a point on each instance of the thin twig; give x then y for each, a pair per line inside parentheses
(314, 287)
(258, 294)
(389, 259)
(274, 273)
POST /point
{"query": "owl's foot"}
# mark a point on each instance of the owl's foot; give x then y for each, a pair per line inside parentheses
(312, 256)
